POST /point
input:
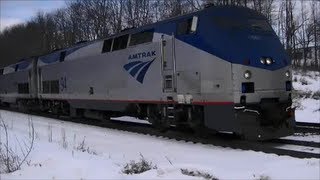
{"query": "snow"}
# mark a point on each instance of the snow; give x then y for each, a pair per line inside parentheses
(309, 137)
(299, 148)
(307, 84)
(311, 78)
(56, 157)
(131, 119)
(309, 111)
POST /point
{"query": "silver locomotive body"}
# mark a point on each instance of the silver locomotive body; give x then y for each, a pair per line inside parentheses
(176, 72)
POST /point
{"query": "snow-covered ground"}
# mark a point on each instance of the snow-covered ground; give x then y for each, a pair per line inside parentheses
(306, 96)
(104, 153)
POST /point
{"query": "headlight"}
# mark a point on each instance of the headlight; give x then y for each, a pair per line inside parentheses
(269, 61)
(287, 74)
(247, 74)
(263, 61)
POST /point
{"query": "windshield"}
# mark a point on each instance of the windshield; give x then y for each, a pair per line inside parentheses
(260, 25)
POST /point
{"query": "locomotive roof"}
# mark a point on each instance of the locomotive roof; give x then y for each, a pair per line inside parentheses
(226, 8)
(223, 10)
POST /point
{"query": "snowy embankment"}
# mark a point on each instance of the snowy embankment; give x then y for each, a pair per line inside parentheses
(65, 150)
(306, 96)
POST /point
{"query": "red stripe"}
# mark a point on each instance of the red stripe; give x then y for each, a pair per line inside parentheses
(143, 101)
(151, 101)
(213, 103)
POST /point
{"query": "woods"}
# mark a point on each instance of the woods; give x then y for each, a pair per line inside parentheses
(296, 22)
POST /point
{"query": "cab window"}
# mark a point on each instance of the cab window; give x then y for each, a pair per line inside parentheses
(187, 26)
(141, 37)
(62, 56)
(120, 42)
(107, 44)
(228, 23)
(23, 88)
(259, 25)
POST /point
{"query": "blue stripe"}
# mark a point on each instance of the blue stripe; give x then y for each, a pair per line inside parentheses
(130, 65)
(55, 56)
(73, 49)
(23, 65)
(50, 58)
(134, 71)
(142, 73)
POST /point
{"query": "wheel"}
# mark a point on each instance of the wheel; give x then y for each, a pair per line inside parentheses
(196, 121)
(21, 106)
(156, 119)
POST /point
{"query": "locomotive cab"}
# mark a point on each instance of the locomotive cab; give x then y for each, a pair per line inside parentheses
(263, 99)
(260, 71)
(261, 78)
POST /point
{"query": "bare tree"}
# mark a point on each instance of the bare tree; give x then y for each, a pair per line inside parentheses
(315, 15)
(172, 8)
(80, 28)
(280, 23)
(290, 28)
(63, 23)
(95, 19)
(95, 15)
(195, 5)
(137, 13)
(116, 15)
(304, 32)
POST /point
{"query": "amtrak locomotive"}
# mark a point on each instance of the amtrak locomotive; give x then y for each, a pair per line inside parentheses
(221, 69)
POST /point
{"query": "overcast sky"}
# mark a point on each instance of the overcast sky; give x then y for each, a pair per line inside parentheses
(18, 11)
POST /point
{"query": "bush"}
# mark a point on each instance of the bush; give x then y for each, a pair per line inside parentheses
(141, 166)
(301, 94)
(83, 148)
(304, 81)
(316, 95)
(11, 160)
(264, 177)
(198, 174)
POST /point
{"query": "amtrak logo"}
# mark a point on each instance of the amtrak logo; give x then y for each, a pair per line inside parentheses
(138, 66)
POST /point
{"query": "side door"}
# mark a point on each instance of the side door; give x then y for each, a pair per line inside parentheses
(33, 79)
(168, 64)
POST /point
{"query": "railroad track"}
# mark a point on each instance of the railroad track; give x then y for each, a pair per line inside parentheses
(230, 141)
(304, 127)
(297, 142)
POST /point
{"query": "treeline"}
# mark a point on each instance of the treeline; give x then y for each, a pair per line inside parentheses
(84, 20)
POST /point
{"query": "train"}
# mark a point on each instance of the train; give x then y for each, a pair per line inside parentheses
(219, 69)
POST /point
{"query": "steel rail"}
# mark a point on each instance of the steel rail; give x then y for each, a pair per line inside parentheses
(297, 142)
